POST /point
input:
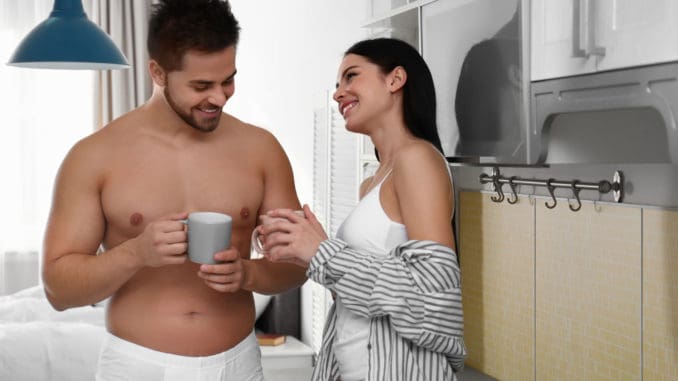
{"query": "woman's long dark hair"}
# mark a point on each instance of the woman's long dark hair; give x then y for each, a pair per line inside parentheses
(419, 95)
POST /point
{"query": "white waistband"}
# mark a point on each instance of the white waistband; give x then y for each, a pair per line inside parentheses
(161, 358)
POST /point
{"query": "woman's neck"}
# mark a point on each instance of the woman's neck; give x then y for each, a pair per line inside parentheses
(388, 141)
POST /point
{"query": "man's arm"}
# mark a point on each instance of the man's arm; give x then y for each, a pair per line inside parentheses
(261, 275)
(73, 274)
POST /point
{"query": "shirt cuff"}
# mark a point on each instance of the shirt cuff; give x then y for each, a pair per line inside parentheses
(327, 249)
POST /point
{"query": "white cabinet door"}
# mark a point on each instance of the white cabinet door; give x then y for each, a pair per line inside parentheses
(636, 32)
(572, 37)
(554, 31)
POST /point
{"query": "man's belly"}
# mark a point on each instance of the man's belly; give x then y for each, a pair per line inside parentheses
(172, 310)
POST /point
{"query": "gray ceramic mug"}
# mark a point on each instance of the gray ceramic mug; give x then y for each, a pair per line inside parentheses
(257, 245)
(208, 234)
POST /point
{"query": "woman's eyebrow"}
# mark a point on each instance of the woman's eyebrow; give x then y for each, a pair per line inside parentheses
(343, 73)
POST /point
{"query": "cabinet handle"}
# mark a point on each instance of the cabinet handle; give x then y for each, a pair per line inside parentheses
(577, 11)
(591, 48)
(584, 28)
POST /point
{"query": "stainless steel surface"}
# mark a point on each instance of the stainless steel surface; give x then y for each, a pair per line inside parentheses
(652, 185)
(575, 186)
(617, 117)
(619, 179)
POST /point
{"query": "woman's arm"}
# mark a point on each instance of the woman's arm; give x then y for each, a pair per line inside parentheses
(417, 285)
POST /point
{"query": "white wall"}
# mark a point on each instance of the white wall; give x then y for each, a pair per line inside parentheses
(288, 55)
(287, 58)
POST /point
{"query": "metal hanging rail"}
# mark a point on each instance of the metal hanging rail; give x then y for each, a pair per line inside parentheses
(603, 186)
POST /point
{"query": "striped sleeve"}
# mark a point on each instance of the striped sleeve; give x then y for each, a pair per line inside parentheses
(417, 285)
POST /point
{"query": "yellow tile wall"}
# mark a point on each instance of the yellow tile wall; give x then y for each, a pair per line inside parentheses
(497, 266)
(660, 295)
(588, 297)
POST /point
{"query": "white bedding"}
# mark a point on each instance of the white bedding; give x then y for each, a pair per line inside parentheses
(39, 343)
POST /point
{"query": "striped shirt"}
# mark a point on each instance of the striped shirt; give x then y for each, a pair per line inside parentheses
(412, 297)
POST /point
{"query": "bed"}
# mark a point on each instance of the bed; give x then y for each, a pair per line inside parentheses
(38, 343)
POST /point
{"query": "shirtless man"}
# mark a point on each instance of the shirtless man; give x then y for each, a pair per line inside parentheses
(125, 188)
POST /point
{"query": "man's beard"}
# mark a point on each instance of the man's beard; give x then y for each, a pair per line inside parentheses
(207, 125)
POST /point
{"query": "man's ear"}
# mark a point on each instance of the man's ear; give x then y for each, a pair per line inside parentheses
(157, 73)
(397, 78)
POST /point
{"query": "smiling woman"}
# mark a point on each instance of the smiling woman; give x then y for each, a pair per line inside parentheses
(44, 112)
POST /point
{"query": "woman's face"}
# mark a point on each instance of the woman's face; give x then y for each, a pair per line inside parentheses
(362, 93)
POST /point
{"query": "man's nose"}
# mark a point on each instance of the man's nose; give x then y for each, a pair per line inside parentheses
(218, 97)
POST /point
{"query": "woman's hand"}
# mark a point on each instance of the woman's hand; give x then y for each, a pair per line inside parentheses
(295, 239)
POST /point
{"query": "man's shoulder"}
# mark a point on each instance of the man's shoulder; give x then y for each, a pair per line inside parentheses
(243, 127)
(98, 141)
(249, 132)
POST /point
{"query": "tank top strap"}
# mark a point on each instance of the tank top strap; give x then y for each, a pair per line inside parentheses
(385, 177)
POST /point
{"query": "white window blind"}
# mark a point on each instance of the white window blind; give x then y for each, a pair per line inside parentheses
(335, 190)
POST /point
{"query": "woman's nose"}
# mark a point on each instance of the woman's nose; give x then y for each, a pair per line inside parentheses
(338, 94)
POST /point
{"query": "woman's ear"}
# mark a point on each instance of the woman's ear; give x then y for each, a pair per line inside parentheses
(397, 78)
(157, 73)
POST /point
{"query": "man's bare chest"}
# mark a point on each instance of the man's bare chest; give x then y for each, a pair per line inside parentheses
(149, 188)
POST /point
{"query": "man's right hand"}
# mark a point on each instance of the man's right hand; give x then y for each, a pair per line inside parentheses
(163, 242)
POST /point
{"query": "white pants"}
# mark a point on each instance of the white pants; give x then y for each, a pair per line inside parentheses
(122, 360)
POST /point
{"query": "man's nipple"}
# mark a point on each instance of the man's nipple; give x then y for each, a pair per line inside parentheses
(245, 212)
(136, 218)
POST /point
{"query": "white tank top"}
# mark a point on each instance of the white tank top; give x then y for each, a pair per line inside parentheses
(366, 229)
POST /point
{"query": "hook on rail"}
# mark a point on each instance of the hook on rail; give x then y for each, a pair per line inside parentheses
(497, 188)
(551, 190)
(575, 192)
(514, 194)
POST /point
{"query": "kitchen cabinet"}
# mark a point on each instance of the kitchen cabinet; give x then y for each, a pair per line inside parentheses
(588, 292)
(397, 19)
(660, 295)
(497, 266)
(573, 37)
(474, 49)
(475, 52)
(551, 294)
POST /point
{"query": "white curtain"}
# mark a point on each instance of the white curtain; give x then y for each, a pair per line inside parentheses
(43, 113)
(119, 91)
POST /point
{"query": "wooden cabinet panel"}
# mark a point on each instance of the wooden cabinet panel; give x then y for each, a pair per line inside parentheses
(497, 265)
(660, 295)
(588, 297)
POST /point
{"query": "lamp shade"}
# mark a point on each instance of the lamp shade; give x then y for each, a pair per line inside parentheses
(68, 40)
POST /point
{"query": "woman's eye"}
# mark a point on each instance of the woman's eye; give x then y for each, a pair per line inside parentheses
(350, 75)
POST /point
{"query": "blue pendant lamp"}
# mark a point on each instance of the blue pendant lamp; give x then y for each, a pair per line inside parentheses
(68, 40)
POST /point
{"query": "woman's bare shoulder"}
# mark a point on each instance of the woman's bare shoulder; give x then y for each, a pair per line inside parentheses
(420, 156)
